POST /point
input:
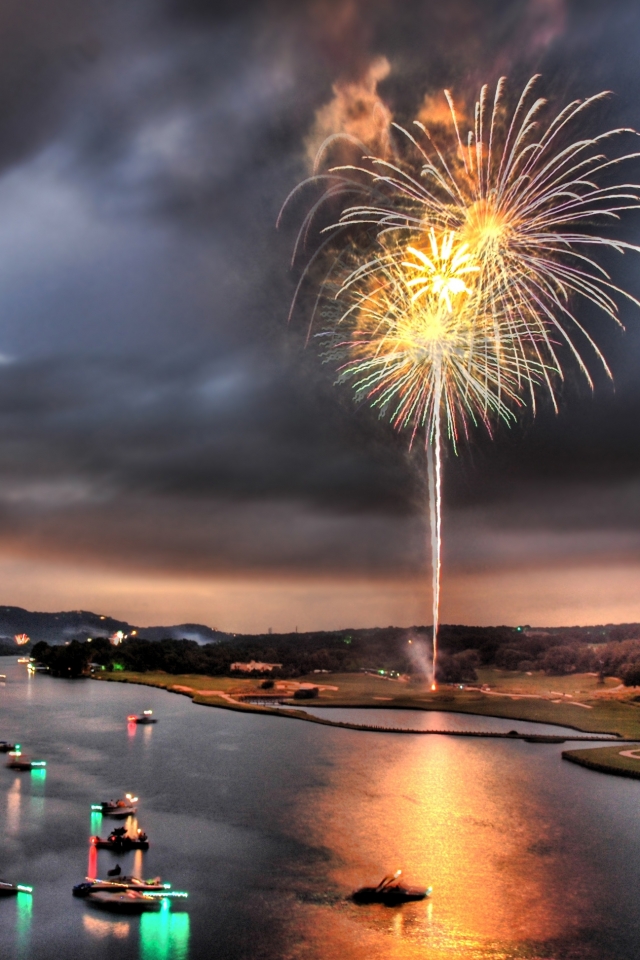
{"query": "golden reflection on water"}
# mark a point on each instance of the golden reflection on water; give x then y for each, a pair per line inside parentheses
(138, 864)
(456, 815)
(14, 799)
(105, 928)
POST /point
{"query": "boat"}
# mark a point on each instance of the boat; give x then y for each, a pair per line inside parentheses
(125, 901)
(6, 747)
(117, 808)
(120, 841)
(145, 717)
(19, 761)
(11, 889)
(390, 892)
(119, 884)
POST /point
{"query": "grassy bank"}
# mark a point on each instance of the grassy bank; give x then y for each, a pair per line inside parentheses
(578, 701)
(605, 760)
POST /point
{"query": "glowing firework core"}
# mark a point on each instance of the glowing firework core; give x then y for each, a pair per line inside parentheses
(441, 274)
(486, 229)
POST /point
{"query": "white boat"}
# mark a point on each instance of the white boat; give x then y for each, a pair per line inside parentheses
(127, 901)
(117, 808)
(120, 885)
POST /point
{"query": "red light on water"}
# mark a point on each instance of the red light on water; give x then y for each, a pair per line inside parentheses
(92, 866)
(433, 686)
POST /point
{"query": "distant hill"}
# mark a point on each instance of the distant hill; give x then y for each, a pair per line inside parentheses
(57, 628)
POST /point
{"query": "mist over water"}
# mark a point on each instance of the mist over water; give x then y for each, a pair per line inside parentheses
(270, 823)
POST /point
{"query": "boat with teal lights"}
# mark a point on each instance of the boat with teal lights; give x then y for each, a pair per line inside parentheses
(390, 892)
(19, 761)
(117, 808)
(119, 884)
(6, 747)
(121, 842)
(12, 889)
(124, 901)
(145, 717)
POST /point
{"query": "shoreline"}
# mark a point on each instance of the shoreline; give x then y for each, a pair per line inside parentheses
(605, 760)
(439, 703)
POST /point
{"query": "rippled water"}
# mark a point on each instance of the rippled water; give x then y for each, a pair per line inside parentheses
(269, 823)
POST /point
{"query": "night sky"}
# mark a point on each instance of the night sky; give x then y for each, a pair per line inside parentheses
(169, 448)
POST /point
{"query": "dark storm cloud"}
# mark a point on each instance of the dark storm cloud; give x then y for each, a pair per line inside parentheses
(190, 427)
(154, 393)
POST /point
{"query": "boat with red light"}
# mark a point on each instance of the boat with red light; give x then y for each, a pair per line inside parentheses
(143, 718)
(121, 842)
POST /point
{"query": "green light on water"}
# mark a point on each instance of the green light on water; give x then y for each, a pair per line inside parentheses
(24, 908)
(167, 893)
(22, 888)
(164, 935)
(96, 823)
(38, 780)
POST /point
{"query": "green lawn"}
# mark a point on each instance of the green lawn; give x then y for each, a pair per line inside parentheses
(606, 760)
(607, 710)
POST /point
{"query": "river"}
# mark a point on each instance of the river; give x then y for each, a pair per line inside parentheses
(269, 823)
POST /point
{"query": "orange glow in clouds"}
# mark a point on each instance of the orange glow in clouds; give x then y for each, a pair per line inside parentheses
(541, 594)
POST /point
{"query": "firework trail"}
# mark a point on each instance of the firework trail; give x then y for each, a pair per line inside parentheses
(453, 275)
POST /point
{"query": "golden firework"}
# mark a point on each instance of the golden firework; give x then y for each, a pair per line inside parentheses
(525, 198)
(483, 253)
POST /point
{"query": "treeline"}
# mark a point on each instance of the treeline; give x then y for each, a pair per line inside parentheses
(8, 648)
(462, 650)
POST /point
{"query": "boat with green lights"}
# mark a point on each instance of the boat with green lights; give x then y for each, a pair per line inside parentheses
(19, 761)
(12, 889)
(124, 901)
(119, 884)
(117, 808)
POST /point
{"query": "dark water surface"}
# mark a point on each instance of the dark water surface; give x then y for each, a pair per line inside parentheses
(269, 823)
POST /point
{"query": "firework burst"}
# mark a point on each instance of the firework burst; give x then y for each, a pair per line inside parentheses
(483, 250)
(526, 199)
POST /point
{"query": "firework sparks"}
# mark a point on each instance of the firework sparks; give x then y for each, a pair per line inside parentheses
(524, 198)
(483, 255)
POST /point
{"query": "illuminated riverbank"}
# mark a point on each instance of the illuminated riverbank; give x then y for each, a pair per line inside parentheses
(600, 711)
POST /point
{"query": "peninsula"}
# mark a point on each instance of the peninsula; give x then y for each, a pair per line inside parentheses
(585, 679)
